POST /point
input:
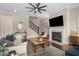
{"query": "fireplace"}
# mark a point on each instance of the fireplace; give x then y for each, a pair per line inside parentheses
(56, 36)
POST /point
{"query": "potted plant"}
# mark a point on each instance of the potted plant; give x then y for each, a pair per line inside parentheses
(3, 50)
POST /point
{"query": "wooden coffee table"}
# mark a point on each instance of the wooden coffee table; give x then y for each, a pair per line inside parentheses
(36, 45)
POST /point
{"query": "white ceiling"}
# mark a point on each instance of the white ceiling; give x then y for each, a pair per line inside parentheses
(20, 7)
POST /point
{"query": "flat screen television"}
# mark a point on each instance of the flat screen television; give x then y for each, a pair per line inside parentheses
(56, 21)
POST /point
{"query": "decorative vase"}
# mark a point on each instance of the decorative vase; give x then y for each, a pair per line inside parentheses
(41, 39)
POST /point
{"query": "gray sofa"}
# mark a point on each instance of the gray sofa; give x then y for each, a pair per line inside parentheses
(9, 40)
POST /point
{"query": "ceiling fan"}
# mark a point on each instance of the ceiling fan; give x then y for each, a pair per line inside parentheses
(36, 8)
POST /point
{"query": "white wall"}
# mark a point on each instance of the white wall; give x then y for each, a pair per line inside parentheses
(74, 14)
(70, 23)
(24, 20)
(44, 25)
(64, 29)
(9, 23)
(0, 25)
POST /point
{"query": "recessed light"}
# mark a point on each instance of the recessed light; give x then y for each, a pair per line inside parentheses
(15, 10)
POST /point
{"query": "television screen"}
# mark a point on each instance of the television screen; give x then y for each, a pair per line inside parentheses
(57, 21)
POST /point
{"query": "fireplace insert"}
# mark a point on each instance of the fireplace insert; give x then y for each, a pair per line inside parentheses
(56, 36)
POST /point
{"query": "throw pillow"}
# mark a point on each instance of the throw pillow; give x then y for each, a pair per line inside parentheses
(10, 37)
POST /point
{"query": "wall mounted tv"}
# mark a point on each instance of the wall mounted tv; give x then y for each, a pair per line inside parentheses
(56, 21)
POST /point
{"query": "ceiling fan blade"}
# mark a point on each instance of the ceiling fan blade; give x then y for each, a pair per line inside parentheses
(38, 4)
(34, 12)
(43, 9)
(43, 6)
(39, 11)
(32, 5)
(29, 8)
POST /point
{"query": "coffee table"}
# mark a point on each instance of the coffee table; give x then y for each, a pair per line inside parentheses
(37, 45)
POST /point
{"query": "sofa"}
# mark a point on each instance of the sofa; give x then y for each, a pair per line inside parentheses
(20, 49)
(9, 40)
(74, 51)
(13, 43)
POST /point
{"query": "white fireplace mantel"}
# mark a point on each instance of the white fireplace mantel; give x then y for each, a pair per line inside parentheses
(56, 29)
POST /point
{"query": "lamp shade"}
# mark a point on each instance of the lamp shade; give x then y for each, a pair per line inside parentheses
(20, 25)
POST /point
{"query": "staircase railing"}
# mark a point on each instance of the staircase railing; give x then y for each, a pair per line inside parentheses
(33, 27)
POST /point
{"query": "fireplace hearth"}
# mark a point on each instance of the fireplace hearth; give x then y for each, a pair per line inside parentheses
(56, 36)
